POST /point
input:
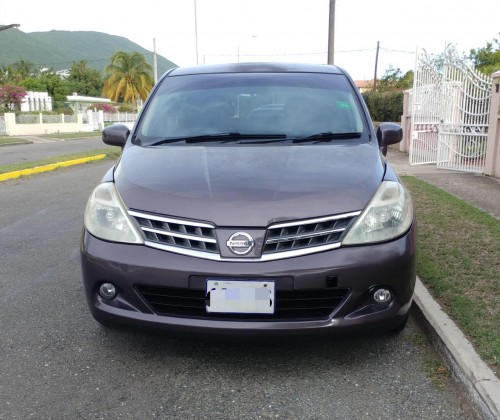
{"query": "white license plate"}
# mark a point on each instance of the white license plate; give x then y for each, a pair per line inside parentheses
(240, 297)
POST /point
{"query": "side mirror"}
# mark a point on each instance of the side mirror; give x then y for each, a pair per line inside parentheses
(387, 134)
(116, 135)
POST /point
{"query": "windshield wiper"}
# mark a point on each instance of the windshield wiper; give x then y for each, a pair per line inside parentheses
(222, 137)
(327, 136)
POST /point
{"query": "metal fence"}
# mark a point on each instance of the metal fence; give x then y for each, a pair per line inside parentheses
(70, 118)
(51, 119)
(28, 119)
(120, 117)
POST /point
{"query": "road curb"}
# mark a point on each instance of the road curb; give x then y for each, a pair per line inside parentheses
(38, 169)
(474, 374)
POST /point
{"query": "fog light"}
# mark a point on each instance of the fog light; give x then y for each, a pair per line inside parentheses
(382, 296)
(107, 291)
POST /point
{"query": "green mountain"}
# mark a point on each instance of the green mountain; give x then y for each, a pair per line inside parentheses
(58, 49)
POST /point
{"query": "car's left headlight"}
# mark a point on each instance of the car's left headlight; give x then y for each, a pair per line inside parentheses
(388, 215)
(106, 216)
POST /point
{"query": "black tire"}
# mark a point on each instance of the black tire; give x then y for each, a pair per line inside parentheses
(401, 326)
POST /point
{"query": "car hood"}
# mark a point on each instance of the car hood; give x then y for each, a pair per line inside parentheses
(249, 186)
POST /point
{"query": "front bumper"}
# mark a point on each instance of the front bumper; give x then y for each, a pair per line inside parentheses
(358, 269)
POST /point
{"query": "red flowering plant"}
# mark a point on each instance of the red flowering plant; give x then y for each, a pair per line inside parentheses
(11, 96)
(110, 109)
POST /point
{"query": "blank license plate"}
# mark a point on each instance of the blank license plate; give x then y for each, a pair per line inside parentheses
(240, 297)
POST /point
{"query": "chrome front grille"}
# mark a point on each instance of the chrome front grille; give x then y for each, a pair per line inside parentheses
(166, 233)
(282, 240)
(300, 235)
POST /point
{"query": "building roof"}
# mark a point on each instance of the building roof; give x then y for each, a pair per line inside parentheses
(364, 84)
(90, 99)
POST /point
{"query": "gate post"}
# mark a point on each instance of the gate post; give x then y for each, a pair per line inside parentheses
(492, 165)
(404, 145)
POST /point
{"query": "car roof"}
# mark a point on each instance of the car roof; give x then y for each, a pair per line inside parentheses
(256, 68)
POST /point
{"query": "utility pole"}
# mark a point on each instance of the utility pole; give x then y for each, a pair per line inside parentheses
(331, 32)
(376, 65)
(155, 62)
(196, 31)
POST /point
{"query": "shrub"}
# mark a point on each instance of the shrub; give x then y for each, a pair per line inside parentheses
(64, 110)
(384, 106)
(11, 96)
(126, 108)
(110, 109)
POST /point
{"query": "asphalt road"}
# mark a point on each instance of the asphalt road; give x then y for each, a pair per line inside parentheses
(30, 152)
(57, 362)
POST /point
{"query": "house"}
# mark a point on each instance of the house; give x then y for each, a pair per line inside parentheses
(36, 101)
(364, 85)
(79, 103)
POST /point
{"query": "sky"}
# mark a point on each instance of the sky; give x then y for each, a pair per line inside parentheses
(274, 30)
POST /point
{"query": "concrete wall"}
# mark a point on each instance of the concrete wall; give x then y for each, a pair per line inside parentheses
(12, 128)
(492, 165)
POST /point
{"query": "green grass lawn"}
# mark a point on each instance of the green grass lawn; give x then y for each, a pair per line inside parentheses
(111, 153)
(459, 261)
(13, 140)
(64, 136)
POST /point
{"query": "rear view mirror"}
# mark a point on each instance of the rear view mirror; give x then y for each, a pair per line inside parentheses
(116, 135)
(387, 134)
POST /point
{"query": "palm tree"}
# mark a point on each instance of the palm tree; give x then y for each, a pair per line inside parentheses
(128, 77)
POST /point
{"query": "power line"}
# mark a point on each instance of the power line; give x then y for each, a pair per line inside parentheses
(398, 51)
(287, 54)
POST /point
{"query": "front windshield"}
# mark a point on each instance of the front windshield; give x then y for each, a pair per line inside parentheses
(292, 104)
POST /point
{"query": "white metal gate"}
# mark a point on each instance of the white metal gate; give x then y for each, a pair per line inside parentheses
(426, 111)
(450, 113)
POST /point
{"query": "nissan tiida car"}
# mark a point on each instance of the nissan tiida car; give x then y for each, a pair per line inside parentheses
(251, 199)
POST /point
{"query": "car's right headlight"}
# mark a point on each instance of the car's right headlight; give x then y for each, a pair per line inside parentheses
(106, 216)
(388, 215)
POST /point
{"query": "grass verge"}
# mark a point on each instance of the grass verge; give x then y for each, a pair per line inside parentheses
(111, 153)
(13, 140)
(66, 136)
(459, 261)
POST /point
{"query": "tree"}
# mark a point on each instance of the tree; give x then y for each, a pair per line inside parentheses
(5, 74)
(394, 80)
(487, 59)
(128, 77)
(50, 82)
(11, 96)
(34, 84)
(22, 69)
(84, 80)
(57, 88)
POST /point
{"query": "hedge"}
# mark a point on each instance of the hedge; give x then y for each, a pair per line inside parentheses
(384, 106)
